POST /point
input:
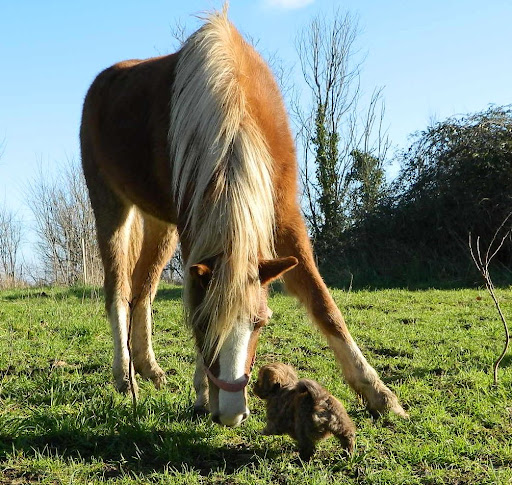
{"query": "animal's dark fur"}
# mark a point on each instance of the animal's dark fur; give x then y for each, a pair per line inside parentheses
(303, 409)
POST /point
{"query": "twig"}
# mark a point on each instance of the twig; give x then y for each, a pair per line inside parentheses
(483, 268)
(132, 304)
(351, 281)
(507, 336)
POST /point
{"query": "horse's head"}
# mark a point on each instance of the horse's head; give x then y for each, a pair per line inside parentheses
(229, 353)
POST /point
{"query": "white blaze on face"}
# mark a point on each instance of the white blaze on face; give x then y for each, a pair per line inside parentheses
(232, 362)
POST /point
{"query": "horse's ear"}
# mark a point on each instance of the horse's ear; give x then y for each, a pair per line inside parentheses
(271, 269)
(201, 273)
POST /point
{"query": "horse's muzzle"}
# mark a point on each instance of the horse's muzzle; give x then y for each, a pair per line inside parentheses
(230, 420)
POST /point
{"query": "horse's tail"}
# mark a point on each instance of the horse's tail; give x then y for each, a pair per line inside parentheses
(222, 170)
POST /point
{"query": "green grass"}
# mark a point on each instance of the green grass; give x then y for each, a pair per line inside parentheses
(62, 422)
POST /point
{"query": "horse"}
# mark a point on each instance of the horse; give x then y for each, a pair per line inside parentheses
(196, 147)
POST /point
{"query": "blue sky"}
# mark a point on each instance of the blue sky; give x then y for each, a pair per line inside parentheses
(434, 59)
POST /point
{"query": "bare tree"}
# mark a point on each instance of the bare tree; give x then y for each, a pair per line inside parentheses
(10, 241)
(333, 126)
(65, 225)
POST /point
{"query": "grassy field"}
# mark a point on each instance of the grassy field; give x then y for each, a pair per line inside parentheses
(62, 422)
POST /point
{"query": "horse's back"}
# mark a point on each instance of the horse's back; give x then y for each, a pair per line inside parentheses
(126, 123)
(124, 130)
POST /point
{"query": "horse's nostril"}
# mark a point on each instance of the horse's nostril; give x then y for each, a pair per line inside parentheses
(245, 416)
(216, 419)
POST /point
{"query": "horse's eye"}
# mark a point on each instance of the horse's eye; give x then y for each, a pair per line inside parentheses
(258, 323)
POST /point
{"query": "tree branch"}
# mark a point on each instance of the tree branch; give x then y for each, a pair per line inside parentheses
(483, 268)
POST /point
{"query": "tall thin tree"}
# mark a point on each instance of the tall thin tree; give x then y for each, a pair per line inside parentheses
(331, 126)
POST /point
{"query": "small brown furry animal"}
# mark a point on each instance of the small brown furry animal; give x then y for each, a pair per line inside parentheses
(302, 409)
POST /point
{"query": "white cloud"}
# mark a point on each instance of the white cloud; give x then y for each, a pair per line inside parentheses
(288, 4)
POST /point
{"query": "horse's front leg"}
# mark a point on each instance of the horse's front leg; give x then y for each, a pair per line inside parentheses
(305, 282)
(201, 406)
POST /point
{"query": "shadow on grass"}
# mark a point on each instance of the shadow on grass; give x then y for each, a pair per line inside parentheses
(174, 293)
(25, 294)
(166, 293)
(400, 371)
(55, 293)
(131, 449)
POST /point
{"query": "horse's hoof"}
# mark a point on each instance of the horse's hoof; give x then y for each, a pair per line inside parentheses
(383, 402)
(200, 411)
(159, 380)
(152, 372)
(124, 387)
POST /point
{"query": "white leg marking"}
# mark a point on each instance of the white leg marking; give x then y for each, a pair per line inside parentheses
(119, 319)
(355, 367)
(363, 378)
(119, 324)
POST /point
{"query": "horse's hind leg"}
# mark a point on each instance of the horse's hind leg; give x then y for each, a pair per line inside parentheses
(305, 282)
(158, 244)
(114, 223)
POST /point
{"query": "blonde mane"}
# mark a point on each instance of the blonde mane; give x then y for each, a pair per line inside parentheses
(222, 175)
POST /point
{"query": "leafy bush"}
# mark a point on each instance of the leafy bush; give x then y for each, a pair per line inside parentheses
(456, 178)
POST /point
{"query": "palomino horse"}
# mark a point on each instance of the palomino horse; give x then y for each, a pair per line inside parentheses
(197, 143)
